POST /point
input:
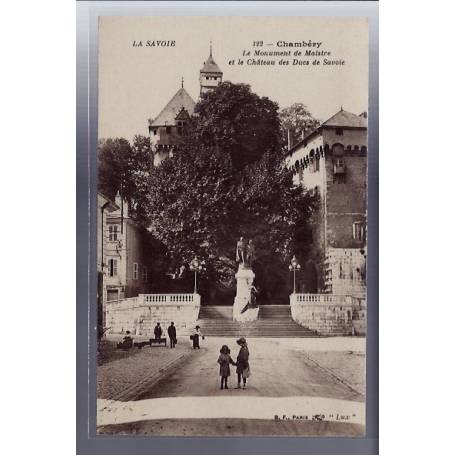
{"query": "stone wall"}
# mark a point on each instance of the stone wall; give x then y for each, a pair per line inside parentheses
(345, 271)
(345, 202)
(330, 315)
(140, 318)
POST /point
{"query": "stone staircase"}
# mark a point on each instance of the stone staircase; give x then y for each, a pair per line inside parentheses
(273, 321)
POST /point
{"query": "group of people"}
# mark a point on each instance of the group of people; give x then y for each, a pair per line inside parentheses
(242, 364)
(171, 332)
(224, 360)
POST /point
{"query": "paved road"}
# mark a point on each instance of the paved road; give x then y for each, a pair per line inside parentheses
(277, 371)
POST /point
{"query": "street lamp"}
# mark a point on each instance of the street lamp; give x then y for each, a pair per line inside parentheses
(293, 266)
(195, 266)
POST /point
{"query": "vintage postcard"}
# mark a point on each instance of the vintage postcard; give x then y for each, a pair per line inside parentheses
(232, 226)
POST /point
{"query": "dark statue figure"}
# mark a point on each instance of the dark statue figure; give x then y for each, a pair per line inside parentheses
(245, 253)
(252, 303)
(241, 251)
(250, 253)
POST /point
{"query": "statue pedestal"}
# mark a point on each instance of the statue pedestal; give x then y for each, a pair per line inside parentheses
(245, 279)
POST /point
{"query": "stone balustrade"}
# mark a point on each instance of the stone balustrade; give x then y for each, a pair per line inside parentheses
(326, 299)
(171, 299)
(330, 314)
(140, 314)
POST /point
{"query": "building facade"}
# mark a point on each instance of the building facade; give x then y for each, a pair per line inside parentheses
(332, 162)
(165, 129)
(104, 207)
(128, 257)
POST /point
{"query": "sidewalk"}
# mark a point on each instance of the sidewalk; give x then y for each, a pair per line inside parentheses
(347, 367)
(124, 378)
(341, 357)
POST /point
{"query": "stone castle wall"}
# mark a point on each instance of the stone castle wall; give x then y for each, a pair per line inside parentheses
(345, 202)
(345, 272)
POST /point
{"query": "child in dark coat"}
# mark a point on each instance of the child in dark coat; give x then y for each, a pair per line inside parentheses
(224, 360)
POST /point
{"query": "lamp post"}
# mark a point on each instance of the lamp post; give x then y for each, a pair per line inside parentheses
(195, 266)
(293, 266)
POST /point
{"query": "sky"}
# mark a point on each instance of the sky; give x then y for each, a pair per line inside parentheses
(135, 83)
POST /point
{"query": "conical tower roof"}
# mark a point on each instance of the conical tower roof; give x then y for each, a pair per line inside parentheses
(210, 65)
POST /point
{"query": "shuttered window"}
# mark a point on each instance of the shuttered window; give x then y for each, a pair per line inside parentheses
(112, 267)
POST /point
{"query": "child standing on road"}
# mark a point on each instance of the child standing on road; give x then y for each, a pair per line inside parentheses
(224, 360)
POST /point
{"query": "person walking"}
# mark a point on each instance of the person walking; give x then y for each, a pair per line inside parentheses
(195, 337)
(172, 332)
(158, 331)
(224, 360)
(243, 365)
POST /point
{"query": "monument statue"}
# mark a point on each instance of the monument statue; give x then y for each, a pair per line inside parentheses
(250, 254)
(252, 303)
(245, 253)
(241, 251)
(245, 306)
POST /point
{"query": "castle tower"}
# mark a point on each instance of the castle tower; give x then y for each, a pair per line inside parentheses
(210, 75)
(166, 128)
(331, 161)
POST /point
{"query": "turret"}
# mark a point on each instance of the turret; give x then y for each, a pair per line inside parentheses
(210, 75)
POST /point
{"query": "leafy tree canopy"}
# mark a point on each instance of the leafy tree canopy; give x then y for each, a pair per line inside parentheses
(227, 179)
(296, 119)
(236, 121)
(125, 168)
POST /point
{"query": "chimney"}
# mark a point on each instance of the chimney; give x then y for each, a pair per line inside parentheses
(118, 199)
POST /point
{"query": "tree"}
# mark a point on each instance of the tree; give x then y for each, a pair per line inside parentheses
(126, 169)
(236, 121)
(298, 120)
(227, 179)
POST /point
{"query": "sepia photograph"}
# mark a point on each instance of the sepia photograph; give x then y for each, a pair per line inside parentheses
(232, 226)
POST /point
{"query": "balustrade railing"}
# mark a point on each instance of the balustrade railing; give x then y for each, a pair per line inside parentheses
(326, 299)
(157, 299)
(170, 298)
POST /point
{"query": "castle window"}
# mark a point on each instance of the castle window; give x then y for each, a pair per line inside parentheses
(112, 267)
(207, 78)
(358, 231)
(154, 132)
(339, 170)
(168, 130)
(135, 270)
(339, 131)
(113, 233)
(144, 274)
